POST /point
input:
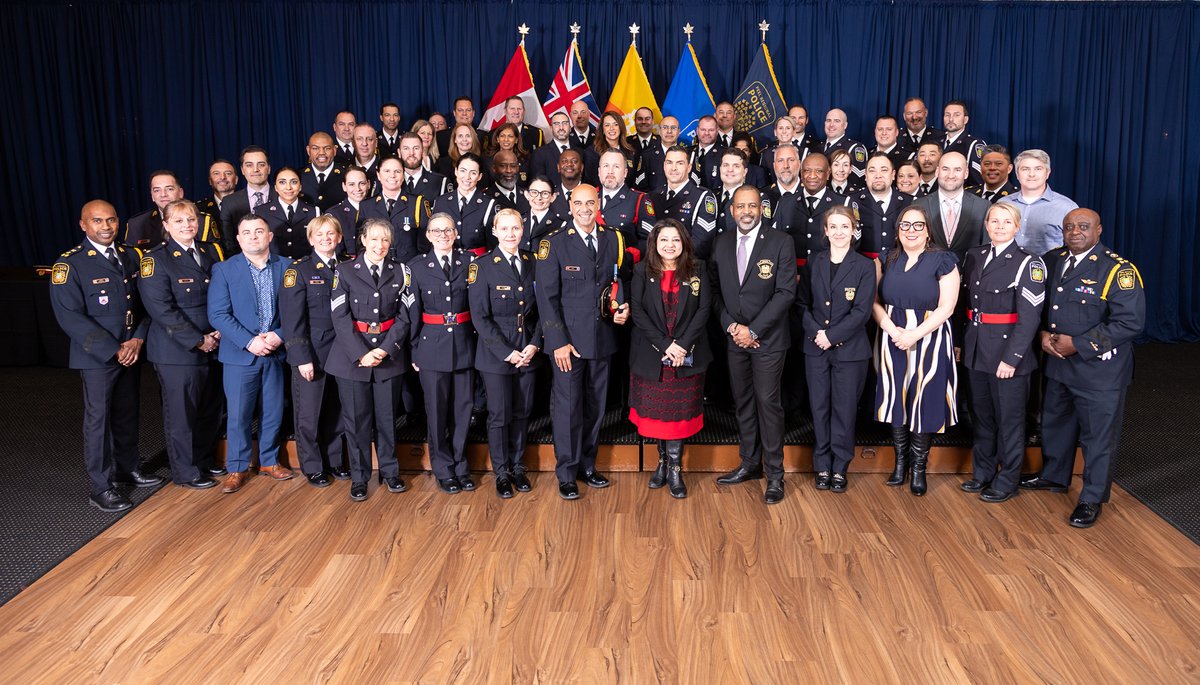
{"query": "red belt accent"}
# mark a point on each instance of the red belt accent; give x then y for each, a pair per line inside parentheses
(364, 327)
(980, 317)
(477, 251)
(801, 262)
(872, 255)
(445, 319)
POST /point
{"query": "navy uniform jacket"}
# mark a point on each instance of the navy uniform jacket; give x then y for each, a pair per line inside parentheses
(145, 230)
(695, 208)
(930, 135)
(323, 195)
(536, 229)
(408, 218)
(840, 306)
(385, 149)
(445, 346)
(650, 340)
(971, 148)
(474, 222)
(706, 170)
(763, 300)
(304, 311)
(805, 146)
(569, 284)
(579, 142)
(725, 219)
(1102, 306)
(877, 228)
(631, 212)
(174, 289)
(531, 137)
(980, 190)
(504, 311)
(358, 300)
(431, 184)
(544, 162)
(648, 175)
(519, 203)
(351, 219)
(857, 151)
(897, 154)
(806, 227)
(341, 157)
(1013, 283)
(289, 238)
(96, 304)
(636, 143)
(562, 203)
(591, 165)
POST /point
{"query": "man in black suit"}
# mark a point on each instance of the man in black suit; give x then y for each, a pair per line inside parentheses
(464, 113)
(544, 161)
(321, 180)
(643, 135)
(343, 132)
(955, 217)
(726, 118)
(256, 169)
(929, 157)
(583, 133)
(389, 134)
(222, 178)
(878, 207)
(753, 272)
(916, 130)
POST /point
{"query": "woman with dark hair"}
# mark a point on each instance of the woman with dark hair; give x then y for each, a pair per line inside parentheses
(908, 178)
(841, 177)
(918, 383)
(669, 299)
(611, 137)
(507, 138)
(288, 215)
(755, 174)
(840, 288)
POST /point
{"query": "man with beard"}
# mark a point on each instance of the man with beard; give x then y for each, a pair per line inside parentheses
(929, 157)
(621, 207)
(417, 179)
(879, 207)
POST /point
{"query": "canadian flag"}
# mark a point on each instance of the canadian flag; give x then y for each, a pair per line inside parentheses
(516, 82)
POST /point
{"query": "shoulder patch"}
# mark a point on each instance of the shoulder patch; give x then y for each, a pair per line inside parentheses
(472, 273)
(860, 155)
(1037, 272)
(710, 204)
(58, 275)
(543, 252)
(147, 267)
(1126, 279)
(335, 280)
(289, 278)
(649, 207)
(766, 210)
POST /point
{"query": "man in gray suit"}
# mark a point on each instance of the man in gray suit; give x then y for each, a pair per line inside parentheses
(955, 217)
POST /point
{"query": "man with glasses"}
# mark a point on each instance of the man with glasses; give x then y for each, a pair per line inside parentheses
(544, 161)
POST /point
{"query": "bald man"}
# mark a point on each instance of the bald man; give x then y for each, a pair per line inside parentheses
(836, 123)
(321, 180)
(955, 217)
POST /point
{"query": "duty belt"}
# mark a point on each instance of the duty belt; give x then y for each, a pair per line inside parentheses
(447, 319)
(374, 327)
(980, 317)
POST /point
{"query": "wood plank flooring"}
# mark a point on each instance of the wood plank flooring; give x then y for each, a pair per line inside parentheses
(283, 583)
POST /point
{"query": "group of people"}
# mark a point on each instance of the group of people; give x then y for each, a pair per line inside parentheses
(446, 270)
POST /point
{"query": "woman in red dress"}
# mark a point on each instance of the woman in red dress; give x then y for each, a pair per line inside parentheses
(670, 304)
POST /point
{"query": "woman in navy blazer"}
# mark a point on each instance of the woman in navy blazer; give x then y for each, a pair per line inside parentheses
(838, 291)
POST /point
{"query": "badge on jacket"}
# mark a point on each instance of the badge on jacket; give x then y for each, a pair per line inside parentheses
(766, 269)
(850, 294)
(58, 275)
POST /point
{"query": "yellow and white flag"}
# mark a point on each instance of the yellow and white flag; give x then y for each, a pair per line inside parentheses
(632, 91)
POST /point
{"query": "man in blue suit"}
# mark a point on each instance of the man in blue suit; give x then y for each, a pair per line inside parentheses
(243, 304)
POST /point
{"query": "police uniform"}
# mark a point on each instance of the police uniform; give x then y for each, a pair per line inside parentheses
(807, 220)
(570, 281)
(544, 161)
(443, 348)
(174, 289)
(504, 311)
(343, 152)
(1006, 189)
(877, 226)
(323, 193)
(388, 148)
(582, 142)
(531, 136)
(706, 165)
(98, 306)
(536, 229)
(649, 175)
(289, 234)
(472, 220)
(910, 141)
(350, 218)
(1102, 306)
(629, 211)
(857, 152)
(368, 315)
(145, 230)
(429, 184)
(406, 214)
(695, 208)
(516, 201)
(971, 148)
(308, 333)
(925, 188)
(591, 165)
(639, 147)
(898, 154)
(1006, 293)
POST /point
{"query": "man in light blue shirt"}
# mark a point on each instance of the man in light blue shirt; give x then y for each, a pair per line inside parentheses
(1042, 209)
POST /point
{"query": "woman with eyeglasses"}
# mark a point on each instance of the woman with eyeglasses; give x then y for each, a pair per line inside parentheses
(917, 382)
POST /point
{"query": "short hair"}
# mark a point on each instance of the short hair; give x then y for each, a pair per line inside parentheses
(707, 116)
(786, 146)
(746, 187)
(462, 98)
(960, 103)
(251, 216)
(221, 160)
(364, 231)
(1013, 211)
(410, 135)
(736, 152)
(363, 124)
(388, 104)
(801, 105)
(439, 216)
(323, 221)
(175, 206)
(507, 211)
(342, 111)
(164, 172)
(788, 118)
(998, 149)
(679, 148)
(560, 113)
(252, 149)
(927, 143)
(882, 155)
(613, 151)
(840, 210)
(837, 154)
(1039, 155)
(518, 98)
(888, 117)
(540, 177)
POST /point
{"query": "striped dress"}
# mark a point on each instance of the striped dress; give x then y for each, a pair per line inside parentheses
(916, 388)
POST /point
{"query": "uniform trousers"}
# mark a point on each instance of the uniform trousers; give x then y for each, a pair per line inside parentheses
(755, 378)
(510, 401)
(1071, 416)
(833, 389)
(577, 409)
(998, 410)
(449, 399)
(110, 422)
(244, 386)
(367, 406)
(317, 414)
(191, 400)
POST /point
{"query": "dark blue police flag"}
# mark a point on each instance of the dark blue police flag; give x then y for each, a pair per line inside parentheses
(760, 101)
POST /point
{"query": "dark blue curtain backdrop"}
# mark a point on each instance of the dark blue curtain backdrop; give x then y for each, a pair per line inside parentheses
(101, 93)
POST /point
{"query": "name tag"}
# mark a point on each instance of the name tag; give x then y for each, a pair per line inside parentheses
(317, 281)
(571, 268)
(98, 281)
(187, 280)
(504, 287)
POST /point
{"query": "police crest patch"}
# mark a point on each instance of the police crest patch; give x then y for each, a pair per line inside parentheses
(694, 284)
(58, 275)
(472, 273)
(289, 278)
(766, 210)
(710, 205)
(649, 208)
(860, 155)
(1125, 279)
(850, 294)
(543, 252)
(1037, 273)
(147, 267)
(766, 269)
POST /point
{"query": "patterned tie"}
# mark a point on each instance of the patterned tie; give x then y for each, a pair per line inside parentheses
(743, 257)
(258, 200)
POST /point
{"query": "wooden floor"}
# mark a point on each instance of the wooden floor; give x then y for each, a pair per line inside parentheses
(283, 583)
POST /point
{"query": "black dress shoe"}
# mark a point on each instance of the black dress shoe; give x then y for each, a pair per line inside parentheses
(822, 480)
(1085, 515)
(449, 486)
(319, 480)
(568, 490)
(110, 501)
(740, 475)
(996, 496)
(521, 482)
(973, 485)
(1036, 482)
(216, 471)
(466, 483)
(358, 492)
(201, 483)
(340, 472)
(137, 479)
(504, 488)
(774, 492)
(838, 482)
(595, 479)
(395, 484)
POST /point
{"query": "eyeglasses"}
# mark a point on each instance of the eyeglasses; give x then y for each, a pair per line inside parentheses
(912, 226)
(539, 193)
(441, 231)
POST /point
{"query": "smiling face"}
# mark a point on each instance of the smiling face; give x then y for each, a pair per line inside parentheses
(411, 152)
(733, 171)
(540, 195)
(839, 169)
(514, 111)
(287, 186)
(706, 131)
(464, 112)
(785, 130)
(928, 157)
(182, 225)
(464, 138)
(611, 126)
(835, 124)
(669, 244)
(506, 139)
(814, 173)
(995, 168)
(583, 207)
(325, 238)
(1002, 223)
(886, 133)
(747, 208)
(570, 166)
(255, 168)
(355, 183)
(839, 229)
(389, 116)
(913, 231)
(879, 174)
(643, 122)
(320, 150)
(725, 116)
(222, 177)
(676, 167)
(442, 234)
(668, 129)
(377, 241)
(164, 190)
(915, 114)
(800, 116)
(613, 169)
(580, 115)
(787, 165)
(952, 172)
(254, 237)
(560, 127)
(1033, 174)
(1081, 230)
(425, 133)
(508, 230)
(391, 176)
(467, 175)
(99, 222)
(343, 127)
(907, 179)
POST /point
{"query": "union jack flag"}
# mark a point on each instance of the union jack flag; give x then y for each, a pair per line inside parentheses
(570, 85)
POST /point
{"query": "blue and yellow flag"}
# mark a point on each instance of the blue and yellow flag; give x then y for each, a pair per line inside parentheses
(689, 97)
(760, 102)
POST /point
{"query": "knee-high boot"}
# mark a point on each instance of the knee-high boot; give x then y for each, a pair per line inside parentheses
(900, 439)
(920, 459)
(675, 469)
(660, 474)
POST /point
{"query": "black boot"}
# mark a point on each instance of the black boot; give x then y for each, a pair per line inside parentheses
(659, 478)
(920, 458)
(901, 442)
(675, 470)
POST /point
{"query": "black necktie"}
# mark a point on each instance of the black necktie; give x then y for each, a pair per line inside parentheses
(1070, 267)
(408, 186)
(924, 188)
(446, 266)
(591, 243)
(880, 203)
(990, 257)
(348, 150)
(375, 273)
(516, 266)
(321, 178)
(196, 256)
(290, 211)
(989, 194)
(462, 203)
(725, 199)
(112, 258)
(812, 203)
(670, 195)
(604, 202)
